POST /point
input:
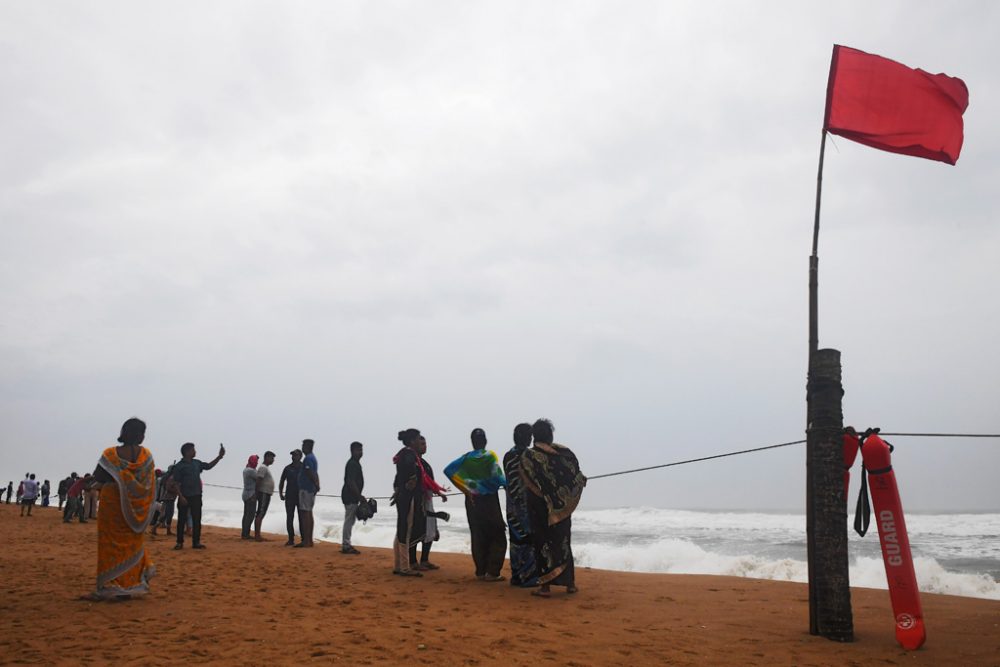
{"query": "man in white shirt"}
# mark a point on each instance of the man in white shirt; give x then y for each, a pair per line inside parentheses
(249, 495)
(30, 494)
(265, 489)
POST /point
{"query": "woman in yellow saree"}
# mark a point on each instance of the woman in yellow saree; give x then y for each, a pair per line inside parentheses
(126, 476)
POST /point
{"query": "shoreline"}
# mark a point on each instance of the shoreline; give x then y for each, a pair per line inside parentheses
(254, 603)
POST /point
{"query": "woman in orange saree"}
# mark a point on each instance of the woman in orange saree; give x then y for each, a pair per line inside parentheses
(126, 474)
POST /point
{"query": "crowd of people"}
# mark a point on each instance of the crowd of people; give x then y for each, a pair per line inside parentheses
(75, 500)
(28, 492)
(543, 485)
(128, 495)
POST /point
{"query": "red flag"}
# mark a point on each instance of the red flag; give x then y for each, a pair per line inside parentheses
(884, 104)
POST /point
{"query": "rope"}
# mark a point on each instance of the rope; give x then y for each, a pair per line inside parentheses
(944, 435)
(699, 459)
(321, 495)
(702, 458)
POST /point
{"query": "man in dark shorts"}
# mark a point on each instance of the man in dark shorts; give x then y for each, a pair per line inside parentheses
(290, 494)
(29, 493)
(186, 482)
(354, 484)
(308, 488)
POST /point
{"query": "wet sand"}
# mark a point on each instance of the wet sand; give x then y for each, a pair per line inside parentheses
(241, 602)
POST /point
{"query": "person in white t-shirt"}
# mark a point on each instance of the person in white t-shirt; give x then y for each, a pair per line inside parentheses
(265, 489)
(30, 494)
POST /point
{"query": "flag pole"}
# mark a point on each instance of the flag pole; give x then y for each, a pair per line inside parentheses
(813, 345)
(814, 260)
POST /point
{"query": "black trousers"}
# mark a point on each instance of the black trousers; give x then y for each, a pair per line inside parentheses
(193, 508)
(291, 508)
(425, 553)
(249, 512)
(489, 533)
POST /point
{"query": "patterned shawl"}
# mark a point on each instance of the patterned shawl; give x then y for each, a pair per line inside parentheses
(136, 484)
(551, 472)
(477, 473)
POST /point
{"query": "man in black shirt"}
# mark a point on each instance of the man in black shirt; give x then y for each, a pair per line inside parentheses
(61, 491)
(186, 482)
(290, 494)
(354, 484)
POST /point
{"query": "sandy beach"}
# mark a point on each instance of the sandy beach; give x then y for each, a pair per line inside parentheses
(241, 602)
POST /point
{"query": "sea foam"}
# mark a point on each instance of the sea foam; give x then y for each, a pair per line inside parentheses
(760, 545)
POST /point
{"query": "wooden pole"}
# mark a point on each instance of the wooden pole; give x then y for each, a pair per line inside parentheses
(829, 582)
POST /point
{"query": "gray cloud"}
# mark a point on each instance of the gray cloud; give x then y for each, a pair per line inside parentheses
(255, 224)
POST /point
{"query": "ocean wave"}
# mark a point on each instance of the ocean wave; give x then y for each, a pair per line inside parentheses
(675, 556)
(742, 544)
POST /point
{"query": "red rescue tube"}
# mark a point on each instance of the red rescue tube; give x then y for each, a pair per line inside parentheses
(851, 444)
(903, 592)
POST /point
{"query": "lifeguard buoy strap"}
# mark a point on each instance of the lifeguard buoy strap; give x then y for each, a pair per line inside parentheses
(863, 510)
(880, 471)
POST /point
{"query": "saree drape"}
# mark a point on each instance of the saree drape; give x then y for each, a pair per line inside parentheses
(123, 568)
(552, 477)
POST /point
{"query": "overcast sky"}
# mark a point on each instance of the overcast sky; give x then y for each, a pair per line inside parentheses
(254, 223)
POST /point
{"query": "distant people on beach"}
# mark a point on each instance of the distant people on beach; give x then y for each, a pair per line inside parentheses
(408, 496)
(74, 498)
(249, 495)
(479, 476)
(431, 532)
(551, 474)
(308, 488)
(523, 569)
(29, 493)
(45, 493)
(10, 490)
(20, 487)
(264, 491)
(166, 494)
(288, 490)
(124, 477)
(351, 496)
(186, 482)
